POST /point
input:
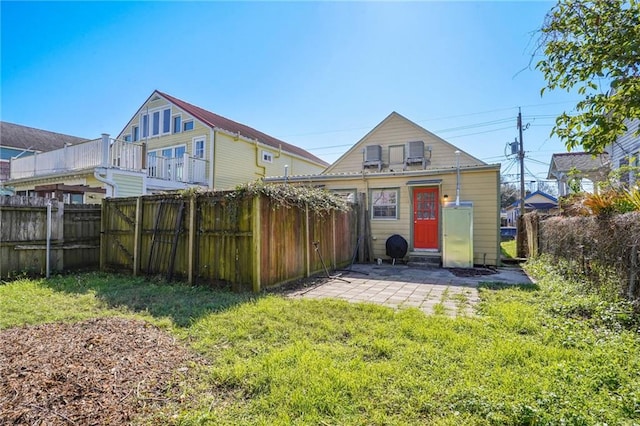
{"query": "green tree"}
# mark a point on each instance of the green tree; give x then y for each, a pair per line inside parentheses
(593, 47)
(509, 193)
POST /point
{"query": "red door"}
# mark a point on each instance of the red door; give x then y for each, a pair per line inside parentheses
(425, 218)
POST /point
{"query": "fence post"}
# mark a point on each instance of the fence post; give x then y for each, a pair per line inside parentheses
(307, 241)
(103, 237)
(361, 227)
(58, 229)
(137, 246)
(333, 232)
(257, 244)
(192, 240)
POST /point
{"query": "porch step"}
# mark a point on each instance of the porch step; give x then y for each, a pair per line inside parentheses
(425, 259)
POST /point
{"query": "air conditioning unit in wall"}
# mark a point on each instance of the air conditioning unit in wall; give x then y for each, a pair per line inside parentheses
(417, 154)
(372, 157)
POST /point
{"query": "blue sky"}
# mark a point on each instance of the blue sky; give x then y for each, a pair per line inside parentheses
(316, 74)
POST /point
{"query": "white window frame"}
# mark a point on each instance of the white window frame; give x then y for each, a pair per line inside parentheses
(127, 137)
(153, 122)
(135, 133)
(184, 124)
(162, 121)
(173, 123)
(145, 129)
(380, 200)
(195, 140)
(267, 157)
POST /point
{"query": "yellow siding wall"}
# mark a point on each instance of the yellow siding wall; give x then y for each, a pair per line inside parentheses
(239, 161)
(236, 159)
(479, 187)
(396, 130)
(128, 185)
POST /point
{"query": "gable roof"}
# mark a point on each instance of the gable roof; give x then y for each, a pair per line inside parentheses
(539, 205)
(394, 114)
(583, 161)
(30, 139)
(216, 121)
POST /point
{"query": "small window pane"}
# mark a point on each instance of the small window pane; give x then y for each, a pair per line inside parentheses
(166, 120)
(199, 149)
(136, 133)
(156, 123)
(385, 204)
(145, 125)
(188, 125)
(177, 124)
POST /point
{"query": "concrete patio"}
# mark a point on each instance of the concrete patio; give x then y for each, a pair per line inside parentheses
(452, 292)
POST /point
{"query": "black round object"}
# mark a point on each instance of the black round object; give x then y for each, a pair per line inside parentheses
(396, 246)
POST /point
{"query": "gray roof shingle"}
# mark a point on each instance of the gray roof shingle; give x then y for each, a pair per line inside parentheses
(28, 138)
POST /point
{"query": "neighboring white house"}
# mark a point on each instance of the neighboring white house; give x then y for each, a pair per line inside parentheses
(566, 166)
(625, 151)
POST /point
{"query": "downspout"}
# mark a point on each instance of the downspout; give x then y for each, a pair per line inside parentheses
(457, 178)
(109, 182)
(264, 168)
(212, 179)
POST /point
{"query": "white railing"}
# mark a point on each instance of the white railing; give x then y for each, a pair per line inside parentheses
(126, 155)
(179, 169)
(86, 155)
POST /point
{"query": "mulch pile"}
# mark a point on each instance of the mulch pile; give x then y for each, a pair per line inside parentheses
(97, 372)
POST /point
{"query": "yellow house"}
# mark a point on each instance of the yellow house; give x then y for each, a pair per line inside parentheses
(187, 144)
(168, 144)
(405, 175)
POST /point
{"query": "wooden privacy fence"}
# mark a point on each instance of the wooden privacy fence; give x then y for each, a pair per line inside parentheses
(74, 243)
(250, 243)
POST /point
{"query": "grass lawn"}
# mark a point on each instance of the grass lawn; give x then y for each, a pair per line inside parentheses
(508, 249)
(539, 354)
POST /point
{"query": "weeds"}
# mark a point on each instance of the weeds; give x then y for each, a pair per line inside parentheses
(537, 354)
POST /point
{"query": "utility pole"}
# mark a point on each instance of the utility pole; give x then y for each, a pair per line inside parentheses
(520, 236)
(521, 157)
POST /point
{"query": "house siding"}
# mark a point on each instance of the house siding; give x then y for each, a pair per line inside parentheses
(479, 187)
(626, 145)
(128, 185)
(240, 160)
(396, 130)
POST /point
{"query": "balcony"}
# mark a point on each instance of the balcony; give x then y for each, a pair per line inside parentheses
(113, 154)
(104, 152)
(185, 169)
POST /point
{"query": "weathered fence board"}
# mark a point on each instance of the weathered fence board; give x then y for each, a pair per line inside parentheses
(247, 243)
(75, 237)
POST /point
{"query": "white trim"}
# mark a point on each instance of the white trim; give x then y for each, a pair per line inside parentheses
(190, 120)
(196, 139)
(173, 122)
(266, 156)
(397, 203)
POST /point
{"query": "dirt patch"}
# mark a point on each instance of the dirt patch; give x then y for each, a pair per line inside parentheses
(472, 272)
(98, 372)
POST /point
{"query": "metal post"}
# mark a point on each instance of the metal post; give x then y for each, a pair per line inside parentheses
(458, 178)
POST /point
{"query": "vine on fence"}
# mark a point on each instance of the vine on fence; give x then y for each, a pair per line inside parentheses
(318, 200)
(602, 249)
